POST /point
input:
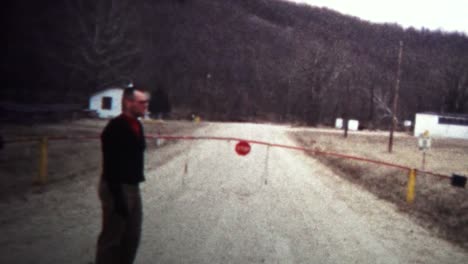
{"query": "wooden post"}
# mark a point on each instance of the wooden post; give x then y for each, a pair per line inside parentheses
(395, 99)
(424, 161)
(346, 111)
(345, 124)
(43, 161)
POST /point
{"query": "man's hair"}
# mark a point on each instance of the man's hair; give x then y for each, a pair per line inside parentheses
(129, 93)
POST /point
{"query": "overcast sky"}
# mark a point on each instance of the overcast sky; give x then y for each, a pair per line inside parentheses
(447, 15)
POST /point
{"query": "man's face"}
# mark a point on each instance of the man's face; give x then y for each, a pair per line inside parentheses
(139, 105)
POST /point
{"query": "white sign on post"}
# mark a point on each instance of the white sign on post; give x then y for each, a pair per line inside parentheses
(424, 143)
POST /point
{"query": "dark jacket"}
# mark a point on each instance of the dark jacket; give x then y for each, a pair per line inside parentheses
(123, 152)
(123, 159)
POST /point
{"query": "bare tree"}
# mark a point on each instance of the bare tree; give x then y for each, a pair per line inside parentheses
(456, 85)
(312, 73)
(98, 45)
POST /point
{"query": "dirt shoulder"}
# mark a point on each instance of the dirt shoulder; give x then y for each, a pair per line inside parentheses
(438, 206)
(68, 158)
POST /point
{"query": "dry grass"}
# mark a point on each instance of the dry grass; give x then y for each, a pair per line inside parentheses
(438, 205)
(68, 159)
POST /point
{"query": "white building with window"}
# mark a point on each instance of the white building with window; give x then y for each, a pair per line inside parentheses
(442, 125)
(107, 103)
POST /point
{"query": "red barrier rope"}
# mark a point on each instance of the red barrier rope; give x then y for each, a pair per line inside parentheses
(37, 138)
(308, 150)
(440, 176)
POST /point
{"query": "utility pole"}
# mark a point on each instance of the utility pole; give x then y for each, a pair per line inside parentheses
(346, 111)
(395, 99)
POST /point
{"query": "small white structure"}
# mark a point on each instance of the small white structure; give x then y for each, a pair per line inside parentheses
(353, 125)
(441, 125)
(107, 103)
(339, 123)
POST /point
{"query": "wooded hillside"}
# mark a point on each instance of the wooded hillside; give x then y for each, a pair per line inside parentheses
(232, 59)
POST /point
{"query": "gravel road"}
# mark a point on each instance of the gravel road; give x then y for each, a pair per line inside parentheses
(208, 205)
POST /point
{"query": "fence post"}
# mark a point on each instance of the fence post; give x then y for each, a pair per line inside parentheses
(43, 161)
(410, 193)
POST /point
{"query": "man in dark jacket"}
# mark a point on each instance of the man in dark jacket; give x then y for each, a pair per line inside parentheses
(123, 145)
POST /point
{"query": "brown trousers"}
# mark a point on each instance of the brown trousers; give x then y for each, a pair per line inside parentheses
(119, 239)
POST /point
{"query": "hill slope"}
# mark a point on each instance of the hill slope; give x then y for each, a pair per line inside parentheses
(256, 59)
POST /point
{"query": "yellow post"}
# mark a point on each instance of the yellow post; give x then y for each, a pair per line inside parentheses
(411, 186)
(43, 162)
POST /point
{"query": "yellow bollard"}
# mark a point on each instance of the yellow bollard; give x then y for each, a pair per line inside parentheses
(411, 186)
(43, 162)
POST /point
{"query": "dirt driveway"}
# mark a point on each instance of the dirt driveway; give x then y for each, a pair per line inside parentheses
(219, 210)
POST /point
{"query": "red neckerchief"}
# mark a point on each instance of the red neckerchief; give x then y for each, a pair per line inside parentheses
(134, 124)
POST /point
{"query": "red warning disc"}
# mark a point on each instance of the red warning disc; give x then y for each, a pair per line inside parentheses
(243, 148)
